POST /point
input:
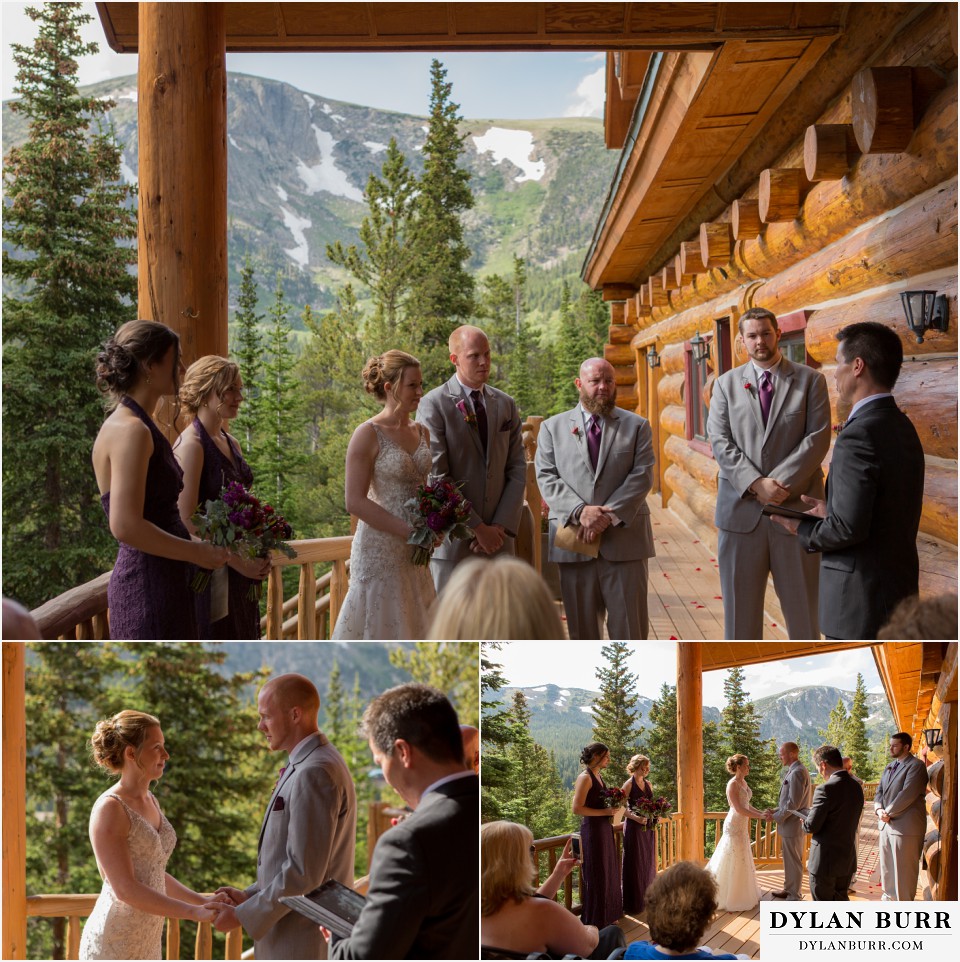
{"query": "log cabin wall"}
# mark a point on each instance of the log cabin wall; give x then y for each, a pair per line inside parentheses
(859, 209)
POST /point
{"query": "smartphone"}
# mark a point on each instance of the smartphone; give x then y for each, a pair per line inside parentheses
(575, 845)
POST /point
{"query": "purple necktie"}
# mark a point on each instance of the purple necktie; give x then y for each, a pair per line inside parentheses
(766, 395)
(481, 414)
(594, 433)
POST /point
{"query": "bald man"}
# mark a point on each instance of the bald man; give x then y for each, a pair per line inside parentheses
(595, 469)
(476, 442)
(471, 748)
(308, 832)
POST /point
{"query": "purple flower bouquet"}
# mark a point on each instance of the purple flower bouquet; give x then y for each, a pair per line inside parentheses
(439, 511)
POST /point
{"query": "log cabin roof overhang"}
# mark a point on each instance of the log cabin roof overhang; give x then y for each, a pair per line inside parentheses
(259, 26)
(695, 116)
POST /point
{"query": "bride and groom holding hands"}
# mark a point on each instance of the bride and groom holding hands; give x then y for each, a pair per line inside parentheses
(307, 836)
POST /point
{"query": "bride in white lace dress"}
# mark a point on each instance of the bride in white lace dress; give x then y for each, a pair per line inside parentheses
(387, 459)
(732, 862)
(132, 842)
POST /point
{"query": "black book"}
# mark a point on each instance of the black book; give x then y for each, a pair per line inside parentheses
(788, 512)
(333, 905)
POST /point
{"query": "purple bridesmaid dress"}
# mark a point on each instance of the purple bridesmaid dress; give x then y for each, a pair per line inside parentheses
(600, 867)
(639, 856)
(149, 596)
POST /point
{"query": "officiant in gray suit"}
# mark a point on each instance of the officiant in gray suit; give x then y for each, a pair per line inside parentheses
(476, 443)
(769, 426)
(595, 469)
(308, 833)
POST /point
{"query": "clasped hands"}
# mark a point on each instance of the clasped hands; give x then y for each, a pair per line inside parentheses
(594, 520)
(488, 538)
(227, 898)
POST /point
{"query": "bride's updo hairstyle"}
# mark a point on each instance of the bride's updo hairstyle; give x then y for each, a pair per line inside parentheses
(205, 377)
(593, 752)
(636, 763)
(386, 368)
(112, 736)
(735, 762)
(120, 364)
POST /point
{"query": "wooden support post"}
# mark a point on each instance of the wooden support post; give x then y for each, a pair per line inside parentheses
(182, 117)
(690, 749)
(14, 802)
(339, 583)
(668, 279)
(233, 949)
(307, 603)
(274, 605)
(203, 946)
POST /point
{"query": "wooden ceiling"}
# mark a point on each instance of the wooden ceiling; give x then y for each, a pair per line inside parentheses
(497, 26)
(728, 654)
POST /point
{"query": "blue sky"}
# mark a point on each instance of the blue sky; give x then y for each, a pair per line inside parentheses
(572, 664)
(504, 86)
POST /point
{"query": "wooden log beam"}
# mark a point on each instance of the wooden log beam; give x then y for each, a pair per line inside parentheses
(618, 292)
(920, 236)
(621, 333)
(716, 244)
(672, 358)
(673, 420)
(884, 307)
(182, 129)
(882, 104)
(668, 279)
(745, 220)
(658, 296)
(14, 792)
(617, 312)
(691, 258)
(782, 192)
(625, 376)
(671, 388)
(681, 276)
(630, 312)
(702, 469)
(690, 749)
(619, 354)
(829, 151)
(926, 392)
(939, 516)
(688, 490)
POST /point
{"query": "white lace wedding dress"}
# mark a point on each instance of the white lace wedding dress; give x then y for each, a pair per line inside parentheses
(116, 930)
(732, 862)
(389, 596)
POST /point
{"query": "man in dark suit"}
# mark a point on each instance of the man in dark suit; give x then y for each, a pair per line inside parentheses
(424, 896)
(476, 443)
(832, 820)
(867, 528)
(595, 470)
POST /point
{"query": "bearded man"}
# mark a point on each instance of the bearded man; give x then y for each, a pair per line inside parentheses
(595, 469)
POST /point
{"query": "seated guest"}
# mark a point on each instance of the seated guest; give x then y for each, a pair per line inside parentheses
(505, 599)
(922, 619)
(681, 901)
(422, 901)
(516, 918)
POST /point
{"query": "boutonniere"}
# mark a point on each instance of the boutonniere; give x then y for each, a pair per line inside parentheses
(468, 415)
(837, 428)
(747, 386)
(576, 432)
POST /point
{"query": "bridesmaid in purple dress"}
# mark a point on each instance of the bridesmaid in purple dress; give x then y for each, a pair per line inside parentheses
(600, 867)
(211, 392)
(639, 843)
(139, 481)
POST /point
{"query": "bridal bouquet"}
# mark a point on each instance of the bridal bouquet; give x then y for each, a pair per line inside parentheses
(613, 797)
(653, 809)
(239, 520)
(440, 511)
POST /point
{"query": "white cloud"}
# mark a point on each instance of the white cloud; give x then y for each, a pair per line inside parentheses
(589, 96)
(517, 146)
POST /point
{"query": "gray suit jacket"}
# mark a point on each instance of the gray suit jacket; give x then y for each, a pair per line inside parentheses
(622, 480)
(424, 895)
(790, 448)
(495, 484)
(795, 794)
(901, 793)
(308, 835)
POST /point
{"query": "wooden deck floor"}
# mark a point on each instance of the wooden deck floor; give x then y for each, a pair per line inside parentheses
(683, 595)
(739, 932)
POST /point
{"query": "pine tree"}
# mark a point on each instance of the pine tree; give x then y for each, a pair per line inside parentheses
(68, 230)
(450, 666)
(442, 294)
(660, 742)
(385, 261)
(248, 353)
(496, 314)
(836, 726)
(280, 454)
(615, 714)
(856, 743)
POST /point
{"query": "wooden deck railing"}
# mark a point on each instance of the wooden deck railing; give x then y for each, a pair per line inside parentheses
(77, 907)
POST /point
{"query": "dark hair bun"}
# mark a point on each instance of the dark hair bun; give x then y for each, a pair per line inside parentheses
(117, 369)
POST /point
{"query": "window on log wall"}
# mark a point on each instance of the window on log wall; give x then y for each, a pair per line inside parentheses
(792, 343)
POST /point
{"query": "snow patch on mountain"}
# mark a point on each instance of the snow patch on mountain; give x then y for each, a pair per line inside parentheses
(130, 95)
(327, 175)
(797, 723)
(374, 147)
(281, 193)
(587, 708)
(565, 692)
(297, 225)
(559, 702)
(310, 101)
(126, 171)
(517, 146)
(539, 689)
(233, 143)
(327, 109)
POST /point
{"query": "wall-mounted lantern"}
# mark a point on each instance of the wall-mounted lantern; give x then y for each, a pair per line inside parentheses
(701, 348)
(925, 311)
(653, 359)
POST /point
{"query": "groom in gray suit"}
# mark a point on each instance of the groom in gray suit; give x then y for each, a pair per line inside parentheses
(476, 443)
(794, 794)
(595, 469)
(900, 808)
(308, 832)
(769, 425)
